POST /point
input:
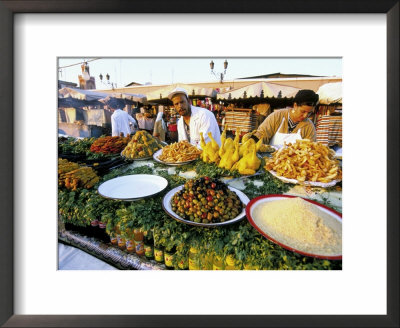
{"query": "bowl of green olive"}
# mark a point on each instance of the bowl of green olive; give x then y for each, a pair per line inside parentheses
(205, 202)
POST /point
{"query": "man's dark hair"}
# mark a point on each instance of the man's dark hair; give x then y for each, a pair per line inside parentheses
(306, 95)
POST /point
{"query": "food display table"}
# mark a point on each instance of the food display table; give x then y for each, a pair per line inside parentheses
(122, 260)
(177, 245)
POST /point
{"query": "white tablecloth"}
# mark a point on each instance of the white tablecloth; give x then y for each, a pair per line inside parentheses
(72, 258)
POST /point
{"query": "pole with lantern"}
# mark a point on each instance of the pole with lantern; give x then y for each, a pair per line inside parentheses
(220, 75)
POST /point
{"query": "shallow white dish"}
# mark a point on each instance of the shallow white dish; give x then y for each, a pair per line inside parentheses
(167, 208)
(271, 198)
(132, 187)
(159, 152)
(306, 183)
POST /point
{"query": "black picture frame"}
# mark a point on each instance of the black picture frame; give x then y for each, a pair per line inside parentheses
(7, 11)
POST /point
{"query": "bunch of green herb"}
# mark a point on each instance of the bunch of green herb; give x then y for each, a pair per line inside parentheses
(75, 146)
(122, 171)
(213, 171)
(270, 185)
(71, 207)
(97, 206)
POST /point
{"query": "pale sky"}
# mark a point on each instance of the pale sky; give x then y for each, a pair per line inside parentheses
(164, 70)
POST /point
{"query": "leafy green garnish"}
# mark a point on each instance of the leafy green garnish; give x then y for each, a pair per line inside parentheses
(213, 171)
(270, 185)
(240, 239)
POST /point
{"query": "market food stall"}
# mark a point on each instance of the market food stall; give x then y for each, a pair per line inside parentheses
(240, 114)
(193, 91)
(81, 113)
(175, 207)
(329, 115)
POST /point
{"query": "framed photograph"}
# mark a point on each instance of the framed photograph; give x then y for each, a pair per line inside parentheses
(34, 34)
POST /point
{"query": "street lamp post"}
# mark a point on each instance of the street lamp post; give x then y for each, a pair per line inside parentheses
(108, 83)
(219, 75)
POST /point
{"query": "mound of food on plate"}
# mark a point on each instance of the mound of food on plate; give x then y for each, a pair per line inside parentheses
(305, 160)
(109, 144)
(206, 200)
(232, 155)
(141, 145)
(300, 225)
(73, 176)
(177, 152)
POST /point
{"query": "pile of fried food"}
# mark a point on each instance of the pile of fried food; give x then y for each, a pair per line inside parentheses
(73, 176)
(232, 155)
(142, 145)
(177, 152)
(305, 160)
(109, 144)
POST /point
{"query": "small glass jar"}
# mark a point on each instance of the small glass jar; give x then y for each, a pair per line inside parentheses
(114, 240)
(249, 266)
(130, 246)
(230, 263)
(94, 223)
(121, 243)
(139, 247)
(194, 259)
(218, 264)
(169, 258)
(148, 251)
(206, 260)
(159, 254)
(183, 264)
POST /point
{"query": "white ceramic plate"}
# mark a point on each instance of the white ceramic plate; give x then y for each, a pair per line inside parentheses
(133, 187)
(159, 152)
(271, 198)
(306, 183)
(167, 208)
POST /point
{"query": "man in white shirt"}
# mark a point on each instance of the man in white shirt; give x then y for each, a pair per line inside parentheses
(120, 121)
(193, 119)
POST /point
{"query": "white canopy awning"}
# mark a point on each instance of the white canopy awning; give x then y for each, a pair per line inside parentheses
(330, 93)
(192, 91)
(129, 96)
(81, 94)
(259, 89)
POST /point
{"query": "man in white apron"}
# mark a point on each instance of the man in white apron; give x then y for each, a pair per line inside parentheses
(193, 119)
(290, 124)
(120, 122)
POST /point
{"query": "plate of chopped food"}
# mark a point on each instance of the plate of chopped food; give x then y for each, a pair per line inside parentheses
(297, 224)
(205, 202)
(305, 162)
(141, 147)
(177, 153)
